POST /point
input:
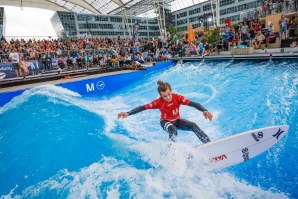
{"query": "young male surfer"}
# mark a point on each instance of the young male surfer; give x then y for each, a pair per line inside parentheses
(169, 103)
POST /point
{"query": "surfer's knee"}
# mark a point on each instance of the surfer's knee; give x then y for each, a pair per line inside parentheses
(171, 129)
(172, 132)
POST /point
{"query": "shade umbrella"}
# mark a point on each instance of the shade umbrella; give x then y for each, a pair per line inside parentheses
(191, 34)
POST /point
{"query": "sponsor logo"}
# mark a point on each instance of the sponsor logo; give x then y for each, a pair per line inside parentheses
(32, 66)
(170, 104)
(257, 136)
(219, 158)
(90, 88)
(100, 85)
(279, 132)
(260, 134)
(175, 111)
(6, 68)
(2, 75)
(245, 154)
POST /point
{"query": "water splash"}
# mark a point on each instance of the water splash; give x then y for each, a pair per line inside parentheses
(132, 156)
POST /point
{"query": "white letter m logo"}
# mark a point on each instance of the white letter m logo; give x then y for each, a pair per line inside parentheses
(175, 111)
(90, 87)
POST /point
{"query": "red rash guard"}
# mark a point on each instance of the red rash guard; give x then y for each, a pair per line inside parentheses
(169, 110)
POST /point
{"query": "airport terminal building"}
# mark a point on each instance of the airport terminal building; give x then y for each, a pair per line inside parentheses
(73, 24)
(99, 19)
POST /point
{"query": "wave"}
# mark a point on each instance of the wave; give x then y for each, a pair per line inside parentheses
(49, 90)
(173, 171)
(175, 176)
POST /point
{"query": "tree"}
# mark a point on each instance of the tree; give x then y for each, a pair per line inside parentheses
(172, 30)
(212, 37)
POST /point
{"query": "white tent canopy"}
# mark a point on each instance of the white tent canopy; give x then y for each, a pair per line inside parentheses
(114, 7)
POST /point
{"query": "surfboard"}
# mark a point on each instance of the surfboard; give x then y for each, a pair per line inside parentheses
(241, 147)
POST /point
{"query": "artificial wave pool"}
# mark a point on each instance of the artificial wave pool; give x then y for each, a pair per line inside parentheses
(55, 143)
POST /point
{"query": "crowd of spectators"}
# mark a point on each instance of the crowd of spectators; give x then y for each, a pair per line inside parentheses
(80, 53)
(83, 52)
(275, 6)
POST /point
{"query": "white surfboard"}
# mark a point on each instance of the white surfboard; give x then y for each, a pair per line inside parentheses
(241, 147)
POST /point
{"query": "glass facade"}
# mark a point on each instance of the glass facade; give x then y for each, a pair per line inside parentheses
(180, 15)
(74, 24)
(195, 11)
(226, 2)
(68, 24)
(64, 24)
(229, 9)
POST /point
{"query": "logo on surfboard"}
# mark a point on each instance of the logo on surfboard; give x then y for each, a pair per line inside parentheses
(279, 132)
(219, 158)
(257, 136)
(245, 154)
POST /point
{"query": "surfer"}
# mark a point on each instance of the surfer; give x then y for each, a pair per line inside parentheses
(169, 103)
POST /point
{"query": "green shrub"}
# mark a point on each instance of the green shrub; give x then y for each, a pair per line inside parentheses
(212, 37)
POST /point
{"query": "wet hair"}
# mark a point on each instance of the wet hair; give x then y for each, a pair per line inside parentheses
(163, 86)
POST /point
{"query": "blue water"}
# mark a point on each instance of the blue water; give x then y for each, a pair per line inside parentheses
(55, 143)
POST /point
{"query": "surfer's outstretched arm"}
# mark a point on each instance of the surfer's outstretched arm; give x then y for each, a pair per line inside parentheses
(207, 114)
(133, 111)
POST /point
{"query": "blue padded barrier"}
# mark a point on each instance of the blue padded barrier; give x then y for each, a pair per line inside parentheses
(97, 86)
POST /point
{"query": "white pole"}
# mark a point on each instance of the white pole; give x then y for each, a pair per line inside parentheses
(164, 19)
(131, 25)
(123, 24)
(126, 24)
(213, 18)
(217, 13)
(158, 16)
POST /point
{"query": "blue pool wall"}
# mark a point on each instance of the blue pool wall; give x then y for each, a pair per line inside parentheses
(97, 86)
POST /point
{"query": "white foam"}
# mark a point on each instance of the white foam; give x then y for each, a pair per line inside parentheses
(51, 91)
(174, 179)
(172, 173)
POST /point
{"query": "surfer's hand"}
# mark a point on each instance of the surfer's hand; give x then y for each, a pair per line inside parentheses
(122, 115)
(208, 115)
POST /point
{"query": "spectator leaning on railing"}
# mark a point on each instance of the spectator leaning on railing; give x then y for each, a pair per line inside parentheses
(23, 65)
(15, 60)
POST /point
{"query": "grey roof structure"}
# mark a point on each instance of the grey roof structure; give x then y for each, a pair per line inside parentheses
(111, 7)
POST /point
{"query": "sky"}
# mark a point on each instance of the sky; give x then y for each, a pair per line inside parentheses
(28, 22)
